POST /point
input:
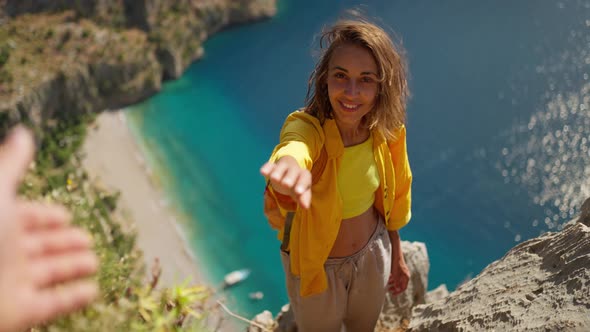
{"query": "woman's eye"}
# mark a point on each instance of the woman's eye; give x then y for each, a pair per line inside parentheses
(339, 75)
(367, 80)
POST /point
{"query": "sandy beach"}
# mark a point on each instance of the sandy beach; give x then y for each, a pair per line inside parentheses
(114, 159)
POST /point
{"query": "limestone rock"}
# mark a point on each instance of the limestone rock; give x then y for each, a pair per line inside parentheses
(263, 319)
(398, 308)
(437, 294)
(540, 285)
(244, 11)
(585, 213)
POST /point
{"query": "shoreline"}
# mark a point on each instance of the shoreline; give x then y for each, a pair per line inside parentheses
(114, 159)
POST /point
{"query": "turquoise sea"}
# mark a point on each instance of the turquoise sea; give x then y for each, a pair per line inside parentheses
(498, 130)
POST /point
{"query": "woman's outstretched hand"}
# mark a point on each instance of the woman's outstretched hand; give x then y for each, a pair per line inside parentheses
(288, 178)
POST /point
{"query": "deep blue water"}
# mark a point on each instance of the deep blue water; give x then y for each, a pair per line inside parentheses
(498, 130)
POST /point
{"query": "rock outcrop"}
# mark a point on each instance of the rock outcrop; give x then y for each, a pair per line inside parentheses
(106, 75)
(83, 56)
(540, 285)
(398, 309)
(585, 213)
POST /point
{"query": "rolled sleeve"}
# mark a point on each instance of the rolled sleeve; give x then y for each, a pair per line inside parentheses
(300, 138)
(296, 149)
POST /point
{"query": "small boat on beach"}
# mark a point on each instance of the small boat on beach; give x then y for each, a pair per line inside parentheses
(235, 277)
(256, 296)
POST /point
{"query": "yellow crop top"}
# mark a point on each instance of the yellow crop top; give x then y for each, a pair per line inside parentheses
(357, 178)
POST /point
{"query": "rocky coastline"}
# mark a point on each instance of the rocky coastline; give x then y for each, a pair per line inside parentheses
(65, 57)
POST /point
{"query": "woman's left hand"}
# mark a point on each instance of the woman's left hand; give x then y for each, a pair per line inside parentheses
(399, 277)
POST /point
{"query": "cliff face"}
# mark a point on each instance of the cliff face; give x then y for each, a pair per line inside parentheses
(540, 285)
(63, 56)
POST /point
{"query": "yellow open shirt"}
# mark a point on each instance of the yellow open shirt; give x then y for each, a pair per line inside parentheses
(314, 230)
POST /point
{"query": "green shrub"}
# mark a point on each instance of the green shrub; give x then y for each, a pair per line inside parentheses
(4, 54)
(5, 76)
(110, 201)
(49, 34)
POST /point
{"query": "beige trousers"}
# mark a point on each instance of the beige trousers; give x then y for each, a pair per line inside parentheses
(356, 289)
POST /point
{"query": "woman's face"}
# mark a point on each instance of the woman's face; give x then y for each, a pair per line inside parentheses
(352, 84)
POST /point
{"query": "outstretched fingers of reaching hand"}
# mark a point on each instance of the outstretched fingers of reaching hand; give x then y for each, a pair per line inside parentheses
(288, 178)
(16, 154)
(277, 178)
(302, 188)
(267, 168)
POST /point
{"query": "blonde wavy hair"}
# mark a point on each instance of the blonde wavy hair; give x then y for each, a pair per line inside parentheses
(389, 112)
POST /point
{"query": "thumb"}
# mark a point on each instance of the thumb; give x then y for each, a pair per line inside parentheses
(16, 154)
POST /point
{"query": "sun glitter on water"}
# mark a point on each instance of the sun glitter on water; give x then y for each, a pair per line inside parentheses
(550, 155)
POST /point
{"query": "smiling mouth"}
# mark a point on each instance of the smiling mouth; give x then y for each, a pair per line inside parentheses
(349, 107)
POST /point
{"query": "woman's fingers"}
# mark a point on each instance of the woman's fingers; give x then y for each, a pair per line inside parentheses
(394, 288)
(303, 182)
(282, 175)
(303, 188)
(397, 285)
(277, 174)
(305, 199)
(267, 168)
(288, 178)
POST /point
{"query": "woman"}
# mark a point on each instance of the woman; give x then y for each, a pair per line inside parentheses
(344, 251)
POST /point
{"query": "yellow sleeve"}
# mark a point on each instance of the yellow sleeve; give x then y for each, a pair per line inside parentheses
(401, 210)
(302, 138)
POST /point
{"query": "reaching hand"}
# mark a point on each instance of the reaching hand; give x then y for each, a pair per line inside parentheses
(42, 257)
(288, 178)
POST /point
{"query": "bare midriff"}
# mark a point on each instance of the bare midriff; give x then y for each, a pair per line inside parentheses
(354, 233)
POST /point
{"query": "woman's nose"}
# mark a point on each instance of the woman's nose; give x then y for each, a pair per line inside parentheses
(351, 88)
